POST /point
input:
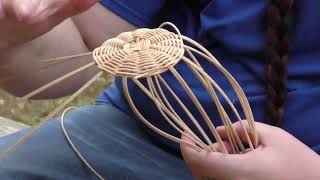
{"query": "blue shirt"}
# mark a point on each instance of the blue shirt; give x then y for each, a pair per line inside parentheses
(234, 31)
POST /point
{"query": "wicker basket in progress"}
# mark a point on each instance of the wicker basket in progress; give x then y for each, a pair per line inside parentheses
(144, 55)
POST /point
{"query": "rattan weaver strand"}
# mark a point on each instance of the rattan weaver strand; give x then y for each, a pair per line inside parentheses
(143, 55)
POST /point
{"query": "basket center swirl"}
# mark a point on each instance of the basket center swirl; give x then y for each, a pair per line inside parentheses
(137, 46)
(140, 53)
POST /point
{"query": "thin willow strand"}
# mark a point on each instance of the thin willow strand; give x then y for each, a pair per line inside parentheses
(221, 91)
(173, 111)
(147, 123)
(74, 148)
(243, 99)
(46, 119)
(173, 115)
(185, 109)
(232, 135)
(199, 107)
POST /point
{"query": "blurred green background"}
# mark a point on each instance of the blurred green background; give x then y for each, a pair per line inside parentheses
(32, 111)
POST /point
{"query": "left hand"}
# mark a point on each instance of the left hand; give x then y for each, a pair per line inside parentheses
(24, 20)
(280, 156)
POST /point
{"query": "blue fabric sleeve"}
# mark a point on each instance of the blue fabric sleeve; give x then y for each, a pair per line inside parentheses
(140, 13)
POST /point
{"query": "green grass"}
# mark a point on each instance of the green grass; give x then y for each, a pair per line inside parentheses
(31, 112)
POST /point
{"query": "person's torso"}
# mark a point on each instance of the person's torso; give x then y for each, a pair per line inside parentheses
(235, 33)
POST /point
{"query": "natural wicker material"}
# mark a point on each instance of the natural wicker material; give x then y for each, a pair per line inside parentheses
(145, 54)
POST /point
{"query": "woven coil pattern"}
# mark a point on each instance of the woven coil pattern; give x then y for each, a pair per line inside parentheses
(140, 53)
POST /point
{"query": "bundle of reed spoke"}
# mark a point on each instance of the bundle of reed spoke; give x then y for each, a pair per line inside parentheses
(142, 56)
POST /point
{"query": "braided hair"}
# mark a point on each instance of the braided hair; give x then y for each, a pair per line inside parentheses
(277, 20)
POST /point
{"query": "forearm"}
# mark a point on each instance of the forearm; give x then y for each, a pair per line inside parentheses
(21, 70)
(23, 63)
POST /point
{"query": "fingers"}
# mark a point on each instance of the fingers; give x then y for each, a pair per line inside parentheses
(186, 150)
(219, 147)
(21, 10)
(213, 164)
(189, 154)
(192, 155)
(226, 166)
(35, 11)
(243, 130)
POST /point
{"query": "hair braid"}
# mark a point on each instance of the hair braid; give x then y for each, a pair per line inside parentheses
(277, 18)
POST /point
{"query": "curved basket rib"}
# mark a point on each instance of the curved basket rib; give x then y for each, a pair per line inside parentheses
(153, 89)
(146, 54)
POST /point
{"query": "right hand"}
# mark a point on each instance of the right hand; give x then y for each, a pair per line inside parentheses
(24, 20)
(280, 156)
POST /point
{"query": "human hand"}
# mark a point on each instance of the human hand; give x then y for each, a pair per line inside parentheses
(280, 156)
(24, 20)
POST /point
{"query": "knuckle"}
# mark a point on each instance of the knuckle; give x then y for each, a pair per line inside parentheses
(22, 11)
(28, 12)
